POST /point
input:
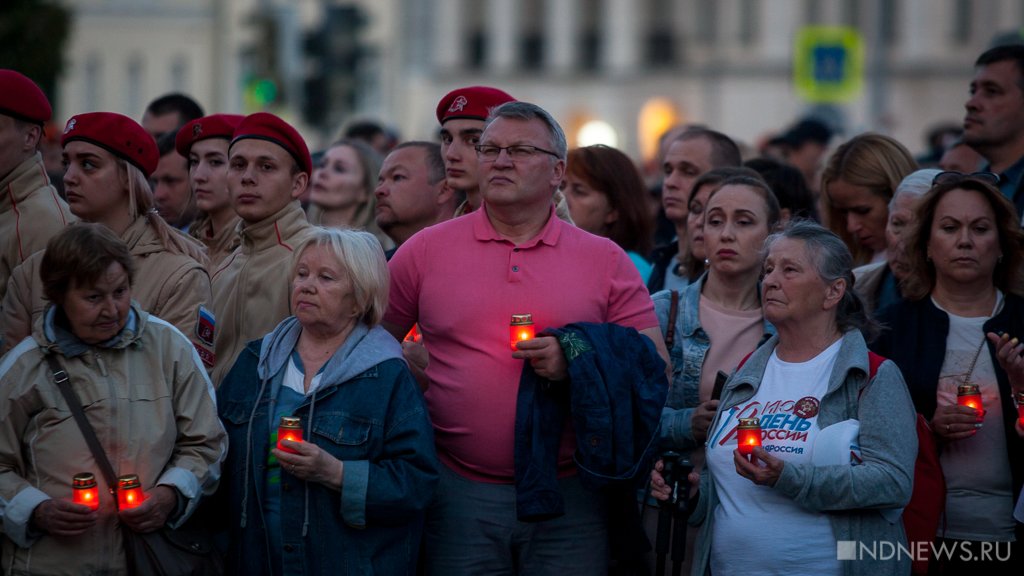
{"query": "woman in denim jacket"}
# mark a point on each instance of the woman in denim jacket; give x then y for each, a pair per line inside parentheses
(719, 318)
(349, 498)
(739, 214)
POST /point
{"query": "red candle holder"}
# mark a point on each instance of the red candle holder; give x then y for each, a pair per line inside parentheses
(84, 490)
(521, 328)
(129, 491)
(969, 395)
(1020, 408)
(290, 428)
(748, 435)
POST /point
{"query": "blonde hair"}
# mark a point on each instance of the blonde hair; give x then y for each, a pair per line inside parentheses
(874, 161)
(141, 203)
(362, 258)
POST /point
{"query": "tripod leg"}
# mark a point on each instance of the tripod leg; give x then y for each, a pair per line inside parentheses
(661, 544)
(678, 541)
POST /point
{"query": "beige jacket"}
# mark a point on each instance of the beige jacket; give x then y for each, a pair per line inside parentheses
(251, 288)
(31, 212)
(171, 286)
(152, 406)
(218, 246)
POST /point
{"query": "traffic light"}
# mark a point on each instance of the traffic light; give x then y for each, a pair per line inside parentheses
(334, 53)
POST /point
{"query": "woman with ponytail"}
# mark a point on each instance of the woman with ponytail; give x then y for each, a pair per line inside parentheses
(816, 392)
(108, 158)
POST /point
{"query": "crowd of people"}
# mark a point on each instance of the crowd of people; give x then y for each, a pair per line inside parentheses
(494, 354)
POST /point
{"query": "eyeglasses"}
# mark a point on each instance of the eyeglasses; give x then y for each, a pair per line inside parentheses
(954, 177)
(490, 153)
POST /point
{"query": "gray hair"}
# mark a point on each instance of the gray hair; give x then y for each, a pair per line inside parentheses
(527, 111)
(361, 257)
(914, 184)
(832, 261)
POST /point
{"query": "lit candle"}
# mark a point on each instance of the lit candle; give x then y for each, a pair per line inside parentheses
(748, 435)
(969, 395)
(1020, 408)
(84, 490)
(521, 328)
(290, 428)
(129, 491)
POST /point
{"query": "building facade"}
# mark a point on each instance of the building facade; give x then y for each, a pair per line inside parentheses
(618, 71)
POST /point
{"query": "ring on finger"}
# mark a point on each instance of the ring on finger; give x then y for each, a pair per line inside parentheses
(947, 428)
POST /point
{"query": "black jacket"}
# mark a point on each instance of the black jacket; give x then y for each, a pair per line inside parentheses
(916, 341)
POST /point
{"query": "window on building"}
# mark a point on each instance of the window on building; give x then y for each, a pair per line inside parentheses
(888, 24)
(531, 41)
(853, 13)
(590, 38)
(179, 74)
(707, 23)
(475, 47)
(963, 21)
(812, 11)
(659, 36)
(749, 17)
(133, 90)
(93, 71)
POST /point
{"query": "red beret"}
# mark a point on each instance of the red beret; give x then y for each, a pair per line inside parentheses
(266, 126)
(21, 98)
(213, 126)
(471, 102)
(116, 133)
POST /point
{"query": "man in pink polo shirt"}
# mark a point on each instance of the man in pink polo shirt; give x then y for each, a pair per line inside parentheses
(462, 281)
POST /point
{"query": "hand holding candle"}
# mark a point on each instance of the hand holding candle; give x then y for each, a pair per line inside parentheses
(1020, 408)
(152, 512)
(969, 395)
(520, 329)
(290, 428)
(748, 435)
(129, 492)
(84, 490)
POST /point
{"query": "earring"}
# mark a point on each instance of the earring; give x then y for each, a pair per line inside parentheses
(707, 261)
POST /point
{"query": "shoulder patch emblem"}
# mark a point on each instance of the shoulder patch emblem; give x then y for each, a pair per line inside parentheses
(205, 325)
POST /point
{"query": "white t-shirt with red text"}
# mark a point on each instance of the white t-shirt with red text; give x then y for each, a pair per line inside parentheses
(756, 529)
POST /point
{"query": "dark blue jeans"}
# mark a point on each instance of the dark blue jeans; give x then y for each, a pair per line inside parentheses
(472, 530)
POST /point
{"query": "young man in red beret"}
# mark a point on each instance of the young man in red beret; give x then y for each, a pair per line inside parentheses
(268, 169)
(31, 211)
(462, 113)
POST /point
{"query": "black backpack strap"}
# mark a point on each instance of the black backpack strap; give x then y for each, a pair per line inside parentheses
(63, 382)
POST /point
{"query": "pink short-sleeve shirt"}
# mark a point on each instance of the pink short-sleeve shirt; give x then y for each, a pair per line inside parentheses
(462, 283)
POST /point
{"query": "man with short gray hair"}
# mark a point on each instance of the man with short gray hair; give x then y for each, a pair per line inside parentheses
(461, 281)
(411, 191)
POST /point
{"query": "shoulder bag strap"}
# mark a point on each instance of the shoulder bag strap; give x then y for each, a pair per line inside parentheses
(63, 382)
(673, 309)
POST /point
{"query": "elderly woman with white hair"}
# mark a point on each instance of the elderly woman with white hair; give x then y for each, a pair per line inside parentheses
(348, 495)
(878, 284)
